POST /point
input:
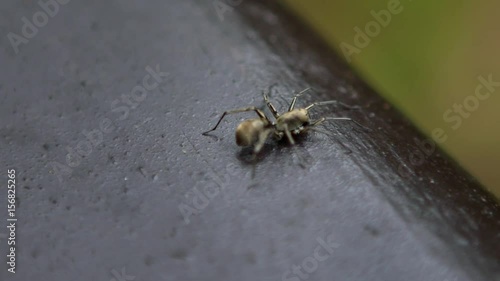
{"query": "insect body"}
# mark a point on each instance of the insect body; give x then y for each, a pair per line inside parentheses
(255, 132)
(294, 121)
(250, 131)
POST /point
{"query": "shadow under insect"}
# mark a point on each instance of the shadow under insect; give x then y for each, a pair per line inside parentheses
(247, 155)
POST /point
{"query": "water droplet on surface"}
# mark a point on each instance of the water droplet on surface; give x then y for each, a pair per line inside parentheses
(142, 171)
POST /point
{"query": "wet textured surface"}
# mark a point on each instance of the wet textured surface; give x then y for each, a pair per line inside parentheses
(119, 207)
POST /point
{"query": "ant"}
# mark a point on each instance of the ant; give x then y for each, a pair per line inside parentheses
(255, 132)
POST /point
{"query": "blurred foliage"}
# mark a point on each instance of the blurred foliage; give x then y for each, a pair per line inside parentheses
(427, 59)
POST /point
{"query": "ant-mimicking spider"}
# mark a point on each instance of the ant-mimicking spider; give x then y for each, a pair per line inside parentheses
(255, 132)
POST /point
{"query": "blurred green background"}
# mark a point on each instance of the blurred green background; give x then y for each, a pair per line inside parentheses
(425, 59)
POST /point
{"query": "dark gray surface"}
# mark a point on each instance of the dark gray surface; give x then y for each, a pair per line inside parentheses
(119, 208)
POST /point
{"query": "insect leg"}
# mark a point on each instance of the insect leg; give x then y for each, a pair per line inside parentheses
(332, 137)
(239, 110)
(292, 104)
(319, 121)
(263, 136)
(257, 148)
(331, 102)
(270, 105)
(289, 135)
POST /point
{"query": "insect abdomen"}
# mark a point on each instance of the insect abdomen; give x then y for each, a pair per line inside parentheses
(247, 132)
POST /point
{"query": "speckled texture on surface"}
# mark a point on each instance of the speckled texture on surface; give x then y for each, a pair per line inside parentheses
(118, 208)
